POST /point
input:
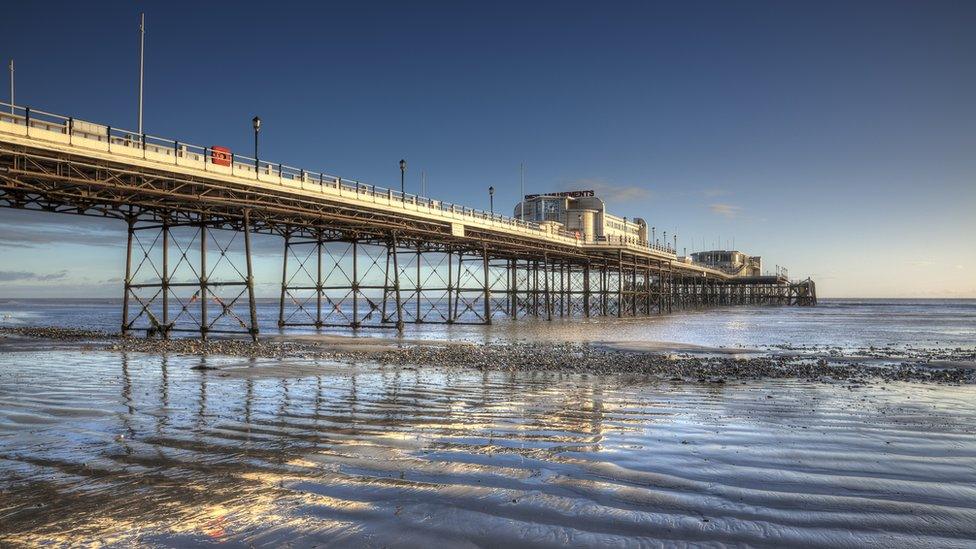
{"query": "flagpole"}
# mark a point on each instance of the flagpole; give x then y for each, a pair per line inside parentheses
(142, 48)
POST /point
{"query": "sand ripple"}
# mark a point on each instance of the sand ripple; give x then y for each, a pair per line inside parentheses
(104, 447)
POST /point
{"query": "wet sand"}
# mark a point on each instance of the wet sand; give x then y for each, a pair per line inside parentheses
(103, 444)
(671, 361)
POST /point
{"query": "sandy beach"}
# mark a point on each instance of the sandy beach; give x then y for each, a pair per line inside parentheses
(672, 361)
(325, 441)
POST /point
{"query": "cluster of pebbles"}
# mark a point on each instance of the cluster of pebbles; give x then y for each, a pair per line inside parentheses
(824, 365)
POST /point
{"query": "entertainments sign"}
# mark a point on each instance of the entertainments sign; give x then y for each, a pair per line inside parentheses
(571, 194)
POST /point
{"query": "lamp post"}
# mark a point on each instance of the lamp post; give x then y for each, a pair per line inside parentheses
(665, 239)
(256, 123)
(403, 174)
(491, 199)
(675, 242)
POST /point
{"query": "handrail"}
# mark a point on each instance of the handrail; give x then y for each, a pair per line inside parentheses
(262, 170)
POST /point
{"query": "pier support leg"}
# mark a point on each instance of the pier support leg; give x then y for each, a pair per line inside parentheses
(204, 298)
(318, 282)
(451, 301)
(251, 301)
(130, 221)
(396, 284)
(484, 263)
(586, 290)
(284, 282)
(165, 281)
(548, 297)
(620, 285)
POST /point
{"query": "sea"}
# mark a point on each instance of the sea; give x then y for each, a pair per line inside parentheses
(848, 324)
(118, 449)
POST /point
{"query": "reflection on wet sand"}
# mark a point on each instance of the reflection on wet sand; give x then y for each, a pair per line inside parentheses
(176, 450)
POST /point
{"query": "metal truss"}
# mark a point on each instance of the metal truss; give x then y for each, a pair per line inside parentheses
(197, 289)
(344, 264)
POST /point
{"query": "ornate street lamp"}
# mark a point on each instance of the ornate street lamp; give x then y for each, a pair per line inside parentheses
(403, 173)
(491, 199)
(256, 123)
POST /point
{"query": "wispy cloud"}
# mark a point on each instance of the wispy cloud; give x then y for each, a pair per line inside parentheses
(51, 231)
(610, 192)
(727, 210)
(15, 276)
(715, 192)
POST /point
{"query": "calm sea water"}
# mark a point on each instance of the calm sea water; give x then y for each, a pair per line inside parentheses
(845, 323)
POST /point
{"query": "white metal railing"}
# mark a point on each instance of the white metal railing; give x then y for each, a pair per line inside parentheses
(221, 160)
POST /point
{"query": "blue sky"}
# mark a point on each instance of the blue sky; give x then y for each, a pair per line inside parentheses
(836, 138)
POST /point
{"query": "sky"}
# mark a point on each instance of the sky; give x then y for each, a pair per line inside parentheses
(835, 138)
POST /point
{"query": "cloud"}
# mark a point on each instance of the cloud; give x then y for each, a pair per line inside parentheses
(727, 210)
(609, 192)
(13, 276)
(44, 230)
(712, 193)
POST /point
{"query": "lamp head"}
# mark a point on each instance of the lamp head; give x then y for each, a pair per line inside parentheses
(256, 121)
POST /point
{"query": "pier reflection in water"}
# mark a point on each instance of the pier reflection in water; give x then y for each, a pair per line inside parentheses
(179, 450)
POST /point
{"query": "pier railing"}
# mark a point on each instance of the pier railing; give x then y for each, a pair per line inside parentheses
(85, 134)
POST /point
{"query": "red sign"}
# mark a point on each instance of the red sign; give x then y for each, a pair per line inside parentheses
(220, 155)
(570, 194)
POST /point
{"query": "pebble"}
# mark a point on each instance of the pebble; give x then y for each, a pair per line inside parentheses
(556, 357)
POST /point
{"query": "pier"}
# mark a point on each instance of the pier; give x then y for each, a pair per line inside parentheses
(354, 254)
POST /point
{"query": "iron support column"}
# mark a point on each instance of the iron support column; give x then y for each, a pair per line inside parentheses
(620, 284)
(165, 281)
(545, 273)
(284, 282)
(252, 304)
(484, 262)
(203, 277)
(586, 290)
(396, 284)
(128, 276)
